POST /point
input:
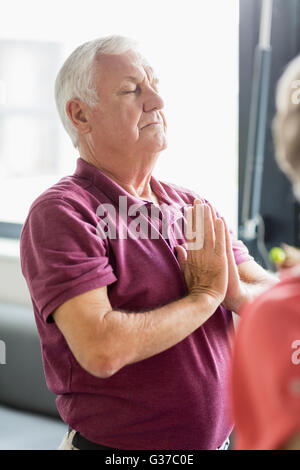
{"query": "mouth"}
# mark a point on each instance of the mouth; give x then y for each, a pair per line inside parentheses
(150, 124)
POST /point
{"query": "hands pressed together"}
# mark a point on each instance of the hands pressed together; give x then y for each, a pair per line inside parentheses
(210, 269)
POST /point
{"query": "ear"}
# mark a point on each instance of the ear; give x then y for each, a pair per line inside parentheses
(79, 115)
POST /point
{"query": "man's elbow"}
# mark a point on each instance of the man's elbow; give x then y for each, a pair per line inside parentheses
(102, 367)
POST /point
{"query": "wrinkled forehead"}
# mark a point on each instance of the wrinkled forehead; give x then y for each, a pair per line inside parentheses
(115, 68)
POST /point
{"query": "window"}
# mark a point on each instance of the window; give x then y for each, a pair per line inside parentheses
(29, 143)
(193, 47)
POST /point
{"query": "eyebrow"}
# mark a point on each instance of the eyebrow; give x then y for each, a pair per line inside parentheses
(131, 78)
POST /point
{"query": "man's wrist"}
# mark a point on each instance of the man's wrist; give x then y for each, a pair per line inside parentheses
(205, 301)
(245, 296)
(249, 293)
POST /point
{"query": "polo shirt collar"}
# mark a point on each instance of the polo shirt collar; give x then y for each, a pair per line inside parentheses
(113, 190)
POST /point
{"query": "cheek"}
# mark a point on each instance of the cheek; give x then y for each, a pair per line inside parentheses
(120, 121)
(130, 119)
(100, 120)
(132, 115)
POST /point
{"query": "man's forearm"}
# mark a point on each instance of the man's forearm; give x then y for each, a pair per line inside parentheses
(132, 337)
(253, 290)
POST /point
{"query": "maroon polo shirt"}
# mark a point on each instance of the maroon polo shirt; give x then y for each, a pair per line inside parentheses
(173, 400)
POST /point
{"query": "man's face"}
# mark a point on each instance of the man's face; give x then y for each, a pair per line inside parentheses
(128, 119)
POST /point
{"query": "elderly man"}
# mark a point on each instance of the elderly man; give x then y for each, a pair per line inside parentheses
(135, 331)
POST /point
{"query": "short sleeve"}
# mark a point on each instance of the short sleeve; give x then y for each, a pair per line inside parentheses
(62, 255)
(240, 251)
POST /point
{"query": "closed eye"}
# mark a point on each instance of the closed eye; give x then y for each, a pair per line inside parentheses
(137, 89)
(125, 92)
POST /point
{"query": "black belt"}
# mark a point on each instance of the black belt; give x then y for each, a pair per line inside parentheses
(81, 443)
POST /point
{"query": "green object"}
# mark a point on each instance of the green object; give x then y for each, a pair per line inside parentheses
(277, 255)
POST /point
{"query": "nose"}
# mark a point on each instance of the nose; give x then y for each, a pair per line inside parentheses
(153, 101)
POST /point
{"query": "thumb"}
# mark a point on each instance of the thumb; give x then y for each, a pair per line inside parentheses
(181, 255)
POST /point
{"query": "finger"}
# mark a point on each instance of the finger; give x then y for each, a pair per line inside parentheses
(213, 213)
(213, 216)
(189, 233)
(196, 206)
(214, 219)
(229, 250)
(181, 255)
(199, 225)
(227, 238)
(192, 224)
(209, 233)
(220, 241)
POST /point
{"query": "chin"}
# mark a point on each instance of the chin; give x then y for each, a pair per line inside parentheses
(156, 148)
(158, 144)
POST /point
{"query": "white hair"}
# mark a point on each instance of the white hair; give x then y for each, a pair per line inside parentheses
(75, 79)
(286, 124)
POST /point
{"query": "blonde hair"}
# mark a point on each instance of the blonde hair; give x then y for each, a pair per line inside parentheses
(286, 124)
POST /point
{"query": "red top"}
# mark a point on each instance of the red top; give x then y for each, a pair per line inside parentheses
(173, 400)
(266, 369)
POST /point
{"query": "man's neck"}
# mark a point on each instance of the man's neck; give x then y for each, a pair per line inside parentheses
(137, 185)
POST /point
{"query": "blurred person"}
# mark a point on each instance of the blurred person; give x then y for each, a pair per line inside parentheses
(266, 360)
(291, 259)
(135, 331)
